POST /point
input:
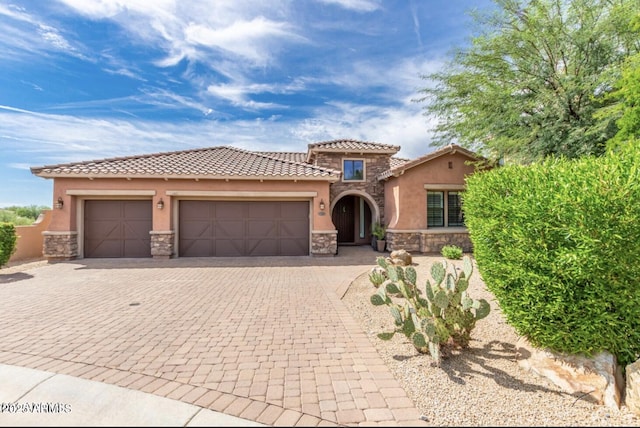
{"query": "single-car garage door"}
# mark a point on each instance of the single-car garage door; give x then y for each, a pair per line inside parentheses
(117, 228)
(243, 228)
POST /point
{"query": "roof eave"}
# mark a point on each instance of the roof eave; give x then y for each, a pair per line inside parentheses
(332, 177)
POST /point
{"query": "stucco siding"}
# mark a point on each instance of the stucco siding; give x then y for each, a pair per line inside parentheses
(408, 206)
(66, 218)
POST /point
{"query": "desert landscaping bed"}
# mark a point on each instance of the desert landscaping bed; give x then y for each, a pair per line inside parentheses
(482, 385)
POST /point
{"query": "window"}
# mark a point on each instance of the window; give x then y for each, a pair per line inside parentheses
(435, 209)
(440, 214)
(455, 217)
(353, 170)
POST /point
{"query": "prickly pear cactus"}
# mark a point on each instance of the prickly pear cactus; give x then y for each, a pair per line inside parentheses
(443, 314)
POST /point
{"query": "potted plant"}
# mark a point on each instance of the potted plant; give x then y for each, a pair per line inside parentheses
(379, 231)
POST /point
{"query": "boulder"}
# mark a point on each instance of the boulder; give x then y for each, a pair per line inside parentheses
(598, 377)
(401, 258)
(632, 397)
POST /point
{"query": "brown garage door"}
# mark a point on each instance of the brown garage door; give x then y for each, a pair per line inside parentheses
(117, 228)
(243, 228)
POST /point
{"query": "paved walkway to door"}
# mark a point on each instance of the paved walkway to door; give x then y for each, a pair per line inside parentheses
(264, 339)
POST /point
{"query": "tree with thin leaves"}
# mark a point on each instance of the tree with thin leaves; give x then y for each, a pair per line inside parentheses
(533, 78)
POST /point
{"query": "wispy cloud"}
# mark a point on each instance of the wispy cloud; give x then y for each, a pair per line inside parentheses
(48, 138)
(357, 5)
(186, 30)
(28, 35)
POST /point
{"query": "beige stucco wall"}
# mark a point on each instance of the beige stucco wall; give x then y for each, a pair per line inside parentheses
(406, 197)
(29, 242)
(65, 219)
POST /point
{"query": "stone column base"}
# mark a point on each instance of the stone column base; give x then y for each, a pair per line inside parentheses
(59, 246)
(162, 243)
(324, 243)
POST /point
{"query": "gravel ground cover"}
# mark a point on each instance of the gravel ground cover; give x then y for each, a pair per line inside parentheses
(483, 384)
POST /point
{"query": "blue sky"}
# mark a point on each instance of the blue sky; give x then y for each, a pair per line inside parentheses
(89, 79)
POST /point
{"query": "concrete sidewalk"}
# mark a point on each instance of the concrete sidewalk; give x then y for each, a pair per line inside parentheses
(31, 397)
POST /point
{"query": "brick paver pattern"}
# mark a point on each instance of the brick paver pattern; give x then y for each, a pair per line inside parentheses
(265, 339)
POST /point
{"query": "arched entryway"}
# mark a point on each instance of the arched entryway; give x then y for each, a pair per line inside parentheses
(352, 216)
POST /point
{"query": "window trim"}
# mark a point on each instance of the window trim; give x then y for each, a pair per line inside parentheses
(364, 170)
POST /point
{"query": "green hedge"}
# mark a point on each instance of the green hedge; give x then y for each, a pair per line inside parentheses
(558, 244)
(7, 242)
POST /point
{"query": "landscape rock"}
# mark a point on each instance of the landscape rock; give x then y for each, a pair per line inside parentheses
(632, 396)
(401, 258)
(598, 377)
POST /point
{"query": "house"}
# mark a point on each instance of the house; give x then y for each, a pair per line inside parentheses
(225, 201)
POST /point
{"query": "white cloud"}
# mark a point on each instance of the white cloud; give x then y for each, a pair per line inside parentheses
(244, 38)
(189, 30)
(238, 94)
(26, 35)
(357, 5)
(50, 139)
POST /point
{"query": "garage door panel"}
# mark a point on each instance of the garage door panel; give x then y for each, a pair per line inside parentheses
(266, 210)
(135, 230)
(246, 228)
(229, 228)
(103, 230)
(117, 228)
(229, 210)
(195, 247)
(292, 228)
(198, 228)
(229, 248)
(262, 228)
(136, 248)
(103, 248)
(292, 247)
(293, 210)
(263, 247)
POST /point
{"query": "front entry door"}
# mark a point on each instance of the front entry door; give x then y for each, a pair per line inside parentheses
(343, 219)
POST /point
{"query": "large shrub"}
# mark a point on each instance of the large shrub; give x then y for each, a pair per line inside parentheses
(7, 242)
(558, 244)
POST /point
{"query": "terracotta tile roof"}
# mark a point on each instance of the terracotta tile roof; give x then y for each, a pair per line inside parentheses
(396, 162)
(213, 162)
(397, 169)
(354, 146)
(288, 156)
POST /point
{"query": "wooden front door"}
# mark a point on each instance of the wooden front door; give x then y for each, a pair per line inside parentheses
(343, 217)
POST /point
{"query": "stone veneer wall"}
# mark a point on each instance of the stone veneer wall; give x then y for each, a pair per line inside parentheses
(60, 245)
(375, 164)
(409, 241)
(433, 242)
(324, 243)
(427, 242)
(162, 244)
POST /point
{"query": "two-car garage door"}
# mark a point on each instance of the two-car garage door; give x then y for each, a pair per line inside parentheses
(243, 228)
(120, 228)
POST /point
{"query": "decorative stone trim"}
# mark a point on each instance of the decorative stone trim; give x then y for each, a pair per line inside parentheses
(162, 243)
(324, 243)
(409, 241)
(428, 240)
(433, 242)
(60, 245)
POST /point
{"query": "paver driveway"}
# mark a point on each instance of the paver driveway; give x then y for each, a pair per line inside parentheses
(266, 339)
